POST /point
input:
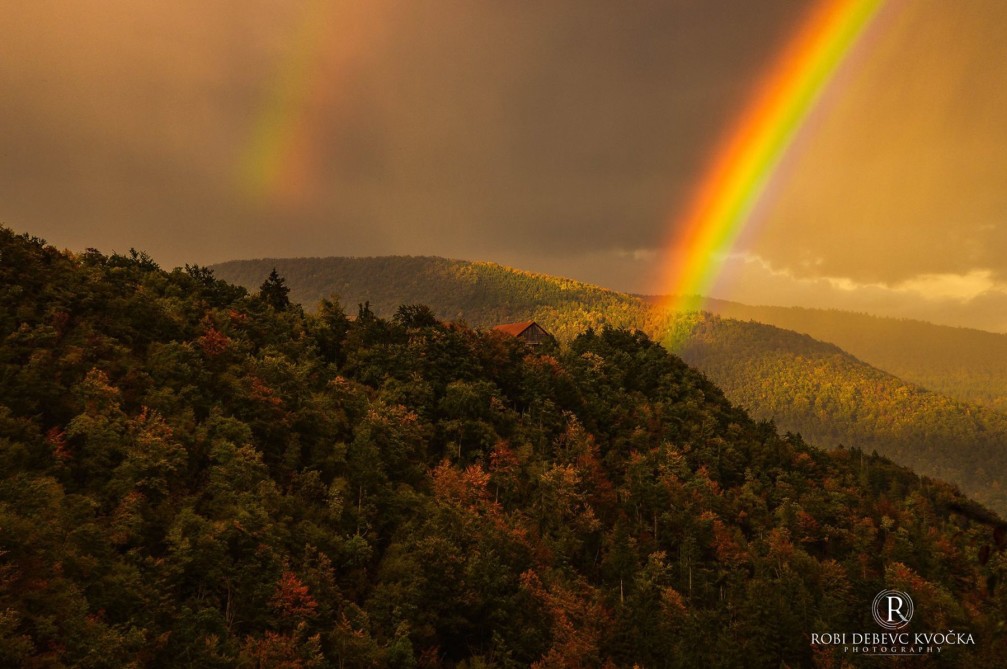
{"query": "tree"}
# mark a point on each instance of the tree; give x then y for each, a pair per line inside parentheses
(415, 316)
(274, 291)
(330, 327)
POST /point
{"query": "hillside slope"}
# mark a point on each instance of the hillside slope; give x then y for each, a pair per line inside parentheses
(966, 364)
(479, 293)
(829, 397)
(192, 475)
(834, 399)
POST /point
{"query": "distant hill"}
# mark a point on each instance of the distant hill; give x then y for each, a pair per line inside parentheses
(828, 395)
(834, 399)
(479, 293)
(966, 364)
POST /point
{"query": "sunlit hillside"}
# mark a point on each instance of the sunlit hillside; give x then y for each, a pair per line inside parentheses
(479, 293)
(826, 394)
(963, 363)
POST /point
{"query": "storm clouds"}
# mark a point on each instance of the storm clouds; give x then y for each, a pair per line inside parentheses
(562, 137)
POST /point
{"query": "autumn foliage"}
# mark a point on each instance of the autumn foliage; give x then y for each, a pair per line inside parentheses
(194, 476)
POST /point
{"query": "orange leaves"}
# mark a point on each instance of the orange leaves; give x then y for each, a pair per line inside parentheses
(807, 527)
(263, 393)
(100, 395)
(901, 576)
(545, 364)
(152, 427)
(780, 545)
(282, 651)
(724, 543)
(56, 438)
(126, 518)
(214, 342)
(153, 455)
(576, 618)
(503, 460)
(564, 500)
(466, 488)
(291, 599)
(803, 462)
(702, 479)
(672, 602)
(933, 597)
(59, 320)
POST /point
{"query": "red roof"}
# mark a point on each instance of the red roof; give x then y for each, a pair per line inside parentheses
(514, 329)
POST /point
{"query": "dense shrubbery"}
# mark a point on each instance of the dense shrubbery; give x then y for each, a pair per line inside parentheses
(190, 476)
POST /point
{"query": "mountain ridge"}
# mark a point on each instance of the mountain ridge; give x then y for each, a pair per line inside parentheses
(965, 363)
(965, 443)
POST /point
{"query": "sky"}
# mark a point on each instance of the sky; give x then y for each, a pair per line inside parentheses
(565, 137)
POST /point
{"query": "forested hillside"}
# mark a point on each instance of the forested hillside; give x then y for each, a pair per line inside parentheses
(968, 365)
(191, 475)
(832, 398)
(963, 364)
(479, 293)
(806, 386)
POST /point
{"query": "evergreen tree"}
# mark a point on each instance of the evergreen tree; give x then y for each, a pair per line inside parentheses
(274, 291)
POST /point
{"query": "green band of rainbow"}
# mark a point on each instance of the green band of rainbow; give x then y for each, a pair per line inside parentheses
(280, 165)
(729, 192)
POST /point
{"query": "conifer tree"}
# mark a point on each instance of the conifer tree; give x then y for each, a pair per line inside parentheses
(274, 291)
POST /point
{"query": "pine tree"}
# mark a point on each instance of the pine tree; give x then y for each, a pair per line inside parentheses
(274, 291)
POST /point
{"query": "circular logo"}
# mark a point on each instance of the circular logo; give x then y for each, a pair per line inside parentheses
(892, 609)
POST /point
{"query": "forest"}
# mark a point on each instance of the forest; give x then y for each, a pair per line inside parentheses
(964, 364)
(807, 386)
(197, 475)
(833, 399)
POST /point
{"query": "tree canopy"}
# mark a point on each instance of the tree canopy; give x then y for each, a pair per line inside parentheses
(190, 476)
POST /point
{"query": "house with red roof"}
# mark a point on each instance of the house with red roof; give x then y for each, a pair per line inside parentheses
(530, 331)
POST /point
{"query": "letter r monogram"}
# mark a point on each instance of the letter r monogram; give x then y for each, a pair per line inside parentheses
(896, 610)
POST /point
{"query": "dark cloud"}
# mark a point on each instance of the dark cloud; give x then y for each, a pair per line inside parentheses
(466, 129)
(559, 136)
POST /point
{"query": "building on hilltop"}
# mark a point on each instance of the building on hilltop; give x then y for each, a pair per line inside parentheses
(530, 331)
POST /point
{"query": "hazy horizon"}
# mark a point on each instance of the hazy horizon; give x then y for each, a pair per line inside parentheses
(637, 294)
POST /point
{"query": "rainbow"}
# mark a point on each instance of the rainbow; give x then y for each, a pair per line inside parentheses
(280, 163)
(727, 196)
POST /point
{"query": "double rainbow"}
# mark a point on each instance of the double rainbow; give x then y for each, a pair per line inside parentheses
(726, 199)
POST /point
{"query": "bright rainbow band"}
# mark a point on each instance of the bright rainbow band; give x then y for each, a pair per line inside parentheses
(725, 201)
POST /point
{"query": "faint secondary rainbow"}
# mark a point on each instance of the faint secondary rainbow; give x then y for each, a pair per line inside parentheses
(282, 159)
(729, 192)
